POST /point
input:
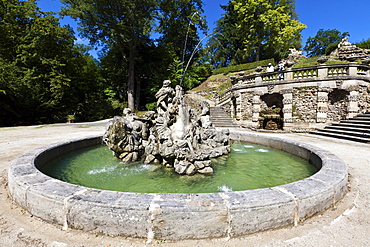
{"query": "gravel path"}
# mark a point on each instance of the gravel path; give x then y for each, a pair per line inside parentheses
(346, 224)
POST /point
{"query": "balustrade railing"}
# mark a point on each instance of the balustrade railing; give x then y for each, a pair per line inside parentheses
(320, 72)
(315, 72)
(305, 73)
(272, 76)
(224, 97)
(338, 71)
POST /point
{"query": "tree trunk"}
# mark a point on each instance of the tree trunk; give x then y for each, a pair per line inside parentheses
(258, 52)
(131, 78)
(138, 92)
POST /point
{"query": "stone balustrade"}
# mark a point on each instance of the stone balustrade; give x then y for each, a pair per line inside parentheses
(315, 72)
(317, 94)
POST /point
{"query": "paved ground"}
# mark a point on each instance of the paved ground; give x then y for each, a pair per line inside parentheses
(346, 224)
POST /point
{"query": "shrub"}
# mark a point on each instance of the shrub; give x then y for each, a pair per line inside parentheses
(151, 106)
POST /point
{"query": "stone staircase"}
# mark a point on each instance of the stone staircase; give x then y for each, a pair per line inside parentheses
(353, 129)
(221, 119)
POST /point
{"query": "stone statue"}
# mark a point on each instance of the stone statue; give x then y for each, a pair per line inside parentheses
(173, 136)
(164, 97)
(344, 43)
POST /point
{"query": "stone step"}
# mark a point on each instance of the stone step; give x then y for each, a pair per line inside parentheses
(341, 136)
(352, 125)
(356, 122)
(220, 118)
(354, 129)
(349, 128)
(347, 132)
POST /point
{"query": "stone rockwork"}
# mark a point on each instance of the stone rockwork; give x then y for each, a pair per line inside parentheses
(174, 135)
(350, 52)
(294, 56)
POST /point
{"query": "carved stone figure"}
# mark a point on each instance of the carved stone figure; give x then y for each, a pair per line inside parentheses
(173, 136)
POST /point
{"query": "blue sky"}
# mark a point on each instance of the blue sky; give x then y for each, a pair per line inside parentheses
(344, 15)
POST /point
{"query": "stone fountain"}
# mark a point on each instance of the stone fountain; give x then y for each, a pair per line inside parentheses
(175, 135)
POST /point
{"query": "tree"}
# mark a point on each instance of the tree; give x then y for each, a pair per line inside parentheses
(123, 24)
(322, 41)
(179, 24)
(43, 76)
(33, 49)
(260, 29)
(364, 44)
(226, 45)
(124, 28)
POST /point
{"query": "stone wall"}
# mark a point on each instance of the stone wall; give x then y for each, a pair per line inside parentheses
(337, 105)
(304, 104)
(309, 98)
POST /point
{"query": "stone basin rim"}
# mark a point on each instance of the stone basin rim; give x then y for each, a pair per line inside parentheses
(157, 215)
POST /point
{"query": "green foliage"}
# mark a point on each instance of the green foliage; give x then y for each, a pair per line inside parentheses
(151, 106)
(224, 87)
(330, 48)
(124, 28)
(242, 67)
(176, 71)
(122, 24)
(312, 61)
(323, 42)
(196, 75)
(255, 30)
(44, 77)
(364, 44)
(179, 25)
(226, 44)
(336, 62)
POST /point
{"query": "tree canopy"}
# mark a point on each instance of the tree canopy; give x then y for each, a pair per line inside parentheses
(125, 26)
(323, 42)
(252, 30)
(39, 65)
(364, 44)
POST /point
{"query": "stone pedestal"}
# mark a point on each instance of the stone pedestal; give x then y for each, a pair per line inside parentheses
(322, 72)
(288, 75)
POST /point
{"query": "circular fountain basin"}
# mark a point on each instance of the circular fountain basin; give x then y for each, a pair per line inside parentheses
(176, 216)
(248, 166)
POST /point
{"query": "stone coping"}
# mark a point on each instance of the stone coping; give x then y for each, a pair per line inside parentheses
(176, 216)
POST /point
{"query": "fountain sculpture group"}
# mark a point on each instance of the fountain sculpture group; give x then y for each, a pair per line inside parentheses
(175, 135)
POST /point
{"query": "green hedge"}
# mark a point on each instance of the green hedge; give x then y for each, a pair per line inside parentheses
(241, 67)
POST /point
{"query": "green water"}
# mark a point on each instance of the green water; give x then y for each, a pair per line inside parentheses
(247, 167)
